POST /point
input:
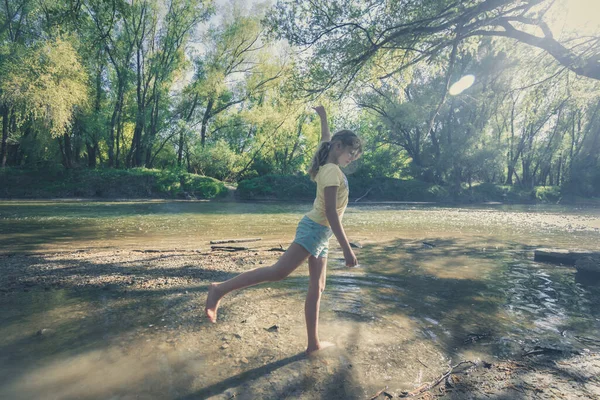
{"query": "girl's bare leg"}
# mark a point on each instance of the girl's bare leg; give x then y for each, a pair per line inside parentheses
(287, 263)
(317, 268)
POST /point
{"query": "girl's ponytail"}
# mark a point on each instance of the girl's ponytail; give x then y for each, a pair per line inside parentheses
(319, 159)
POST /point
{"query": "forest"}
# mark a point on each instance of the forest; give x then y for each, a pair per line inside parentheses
(224, 89)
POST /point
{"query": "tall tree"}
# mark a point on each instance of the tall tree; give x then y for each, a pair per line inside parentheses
(348, 37)
(233, 69)
(46, 85)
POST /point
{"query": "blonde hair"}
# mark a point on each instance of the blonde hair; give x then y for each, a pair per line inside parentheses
(346, 137)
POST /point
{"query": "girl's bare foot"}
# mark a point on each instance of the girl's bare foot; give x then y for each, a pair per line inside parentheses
(311, 349)
(212, 302)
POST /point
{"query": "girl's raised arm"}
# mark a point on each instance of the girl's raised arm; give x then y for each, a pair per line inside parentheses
(325, 135)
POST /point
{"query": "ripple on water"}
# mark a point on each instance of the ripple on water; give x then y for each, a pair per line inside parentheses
(546, 301)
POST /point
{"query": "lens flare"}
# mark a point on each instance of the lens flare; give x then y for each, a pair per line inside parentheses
(461, 85)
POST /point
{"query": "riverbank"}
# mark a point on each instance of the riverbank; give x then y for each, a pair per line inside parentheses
(133, 320)
(108, 184)
(137, 184)
(384, 189)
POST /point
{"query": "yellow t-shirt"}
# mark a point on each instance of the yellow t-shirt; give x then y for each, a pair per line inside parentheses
(329, 175)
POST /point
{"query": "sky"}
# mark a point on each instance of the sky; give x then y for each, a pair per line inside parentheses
(574, 16)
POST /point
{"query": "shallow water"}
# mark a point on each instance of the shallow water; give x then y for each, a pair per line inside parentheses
(62, 225)
(435, 285)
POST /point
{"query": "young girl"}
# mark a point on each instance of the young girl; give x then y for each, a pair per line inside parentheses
(313, 232)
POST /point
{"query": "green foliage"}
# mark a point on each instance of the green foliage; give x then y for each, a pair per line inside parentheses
(107, 183)
(300, 187)
(584, 179)
(489, 192)
(390, 189)
(119, 84)
(547, 194)
(216, 160)
(46, 82)
(277, 187)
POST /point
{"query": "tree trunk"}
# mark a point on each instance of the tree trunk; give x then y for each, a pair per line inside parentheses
(119, 135)
(3, 150)
(297, 141)
(509, 175)
(151, 134)
(114, 124)
(182, 132)
(180, 149)
(189, 164)
(134, 158)
(91, 151)
(65, 149)
(205, 120)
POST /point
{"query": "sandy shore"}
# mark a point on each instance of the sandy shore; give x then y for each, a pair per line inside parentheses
(132, 304)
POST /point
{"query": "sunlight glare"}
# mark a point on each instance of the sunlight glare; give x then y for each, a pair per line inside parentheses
(461, 85)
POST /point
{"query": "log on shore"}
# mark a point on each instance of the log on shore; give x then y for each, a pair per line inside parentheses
(582, 259)
(229, 248)
(235, 240)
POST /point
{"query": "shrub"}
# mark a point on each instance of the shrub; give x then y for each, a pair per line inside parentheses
(547, 194)
(283, 187)
(107, 183)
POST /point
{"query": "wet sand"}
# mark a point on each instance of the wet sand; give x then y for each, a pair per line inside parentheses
(126, 324)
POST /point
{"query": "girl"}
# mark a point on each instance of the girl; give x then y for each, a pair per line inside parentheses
(313, 232)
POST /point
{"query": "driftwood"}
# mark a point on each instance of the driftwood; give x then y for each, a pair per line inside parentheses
(589, 263)
(168, 251)
(569, 257)
(427, 386)
(360, 198)
(235, 240)
(228, 248)
(376, 395)
(280, 248)
(537, 350)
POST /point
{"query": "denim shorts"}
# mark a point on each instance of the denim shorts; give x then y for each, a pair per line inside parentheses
(313, 236)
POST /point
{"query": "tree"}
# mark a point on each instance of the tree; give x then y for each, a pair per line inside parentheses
(348, 38)
(233, 69)
(158, 47)
(46, 84)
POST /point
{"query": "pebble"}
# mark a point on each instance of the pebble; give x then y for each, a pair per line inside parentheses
(44, 331)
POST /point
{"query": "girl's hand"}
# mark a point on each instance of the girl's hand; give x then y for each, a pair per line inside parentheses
(351, 260)
(320, 110)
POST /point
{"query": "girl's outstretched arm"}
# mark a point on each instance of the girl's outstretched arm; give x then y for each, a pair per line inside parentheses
(325, 135)
(336, 225)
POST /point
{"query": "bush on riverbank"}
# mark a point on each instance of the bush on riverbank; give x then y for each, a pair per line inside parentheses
(150, 183)
(277, 187)
(300, 187)
(107, 183)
